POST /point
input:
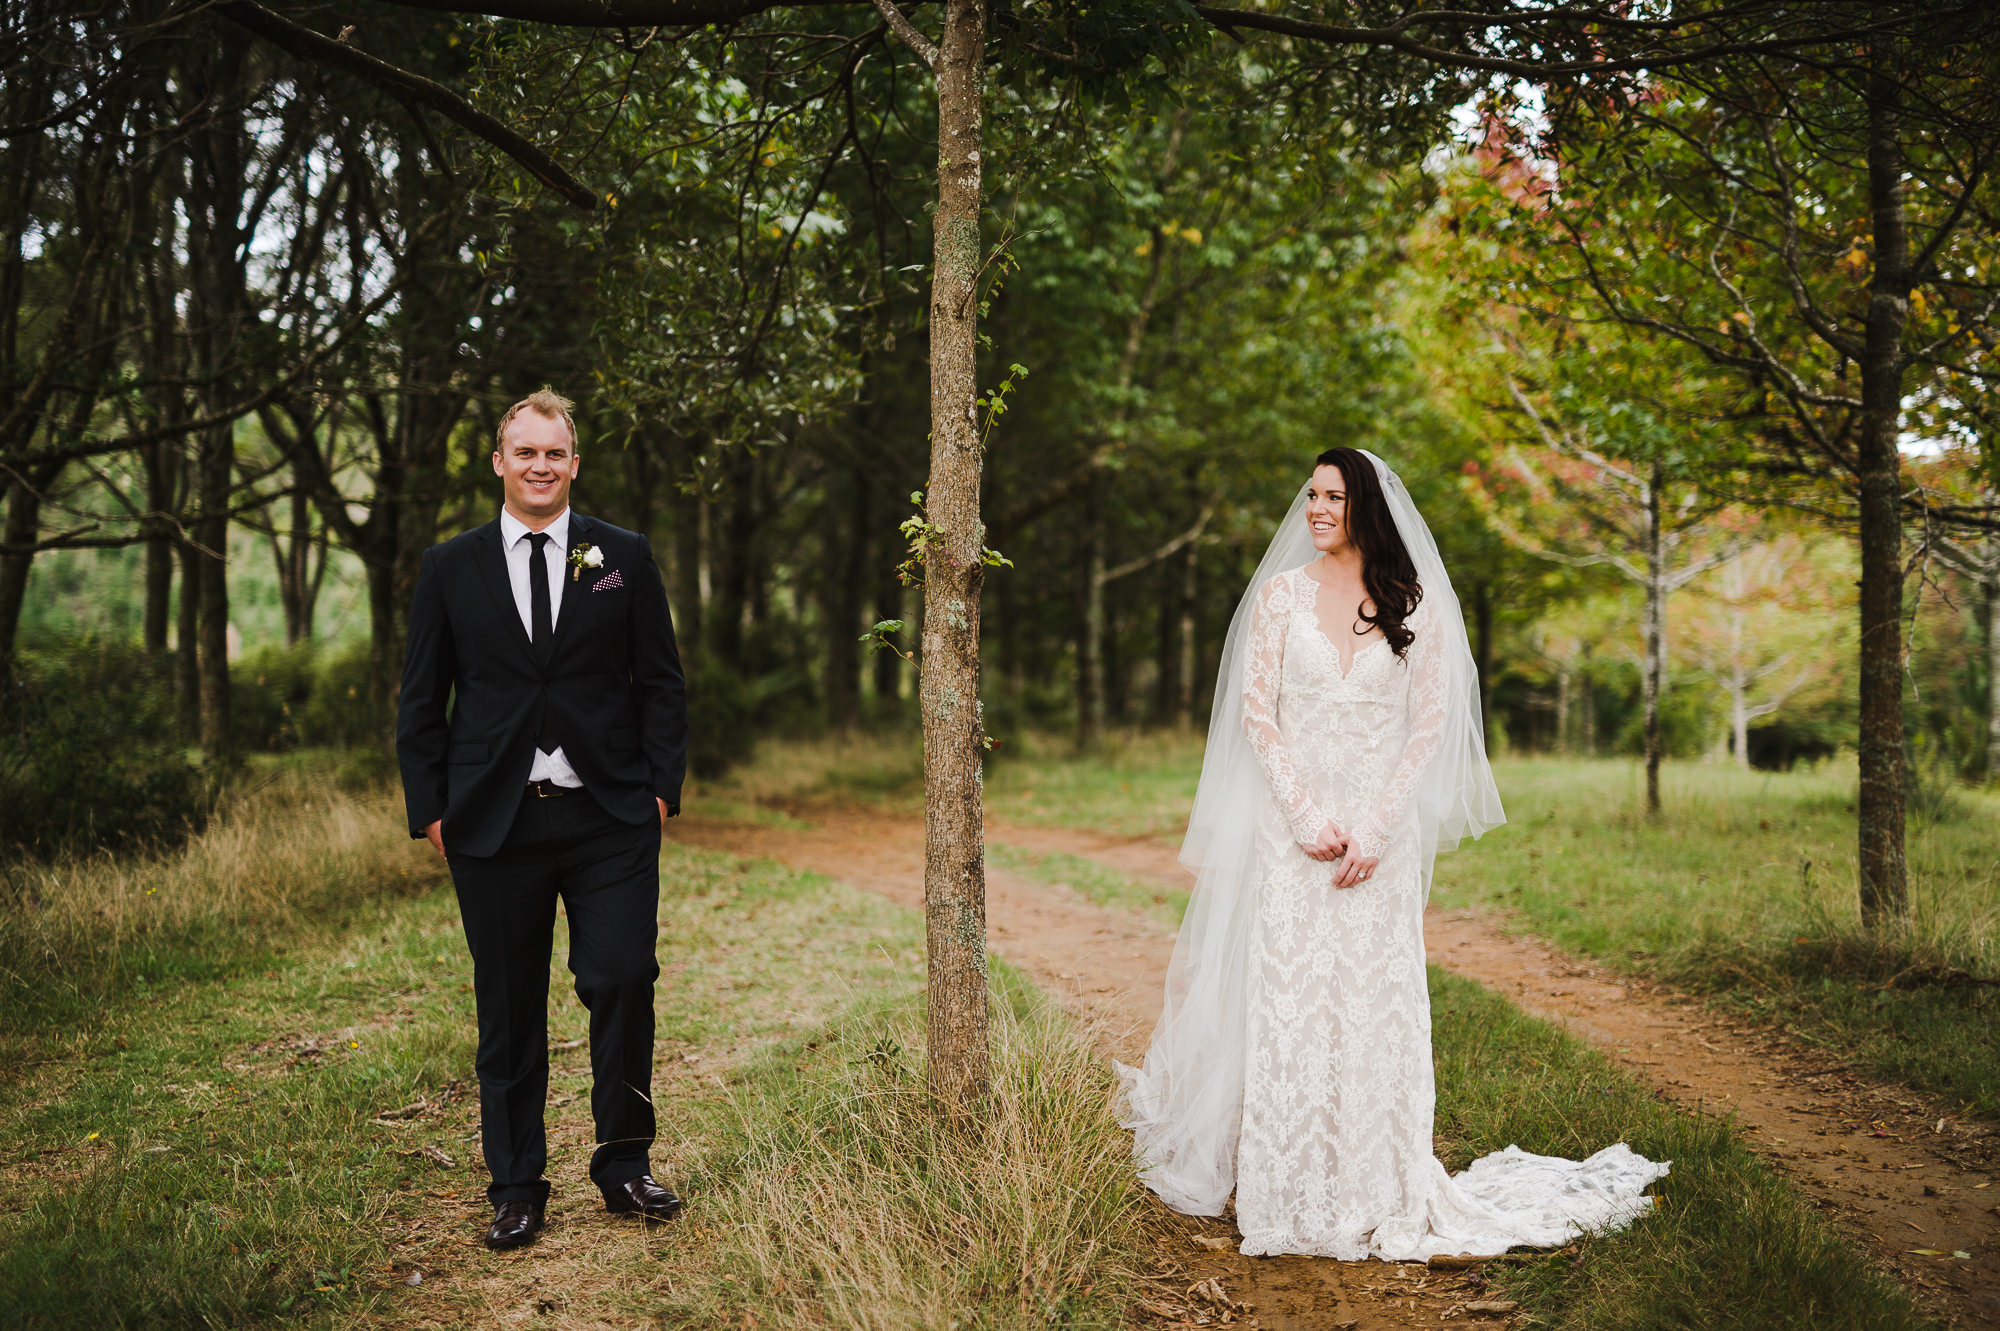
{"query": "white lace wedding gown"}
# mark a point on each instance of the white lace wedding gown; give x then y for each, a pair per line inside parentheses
(1334, 1157)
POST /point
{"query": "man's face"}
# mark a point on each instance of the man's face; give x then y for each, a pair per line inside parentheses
(535, 464)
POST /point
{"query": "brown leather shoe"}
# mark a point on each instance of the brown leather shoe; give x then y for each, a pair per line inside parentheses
(515, 1225)
(643, 1197)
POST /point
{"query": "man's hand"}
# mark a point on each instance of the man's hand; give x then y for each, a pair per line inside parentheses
(663, 812)
(436, 833)
(1330, 846)
(1355, 870)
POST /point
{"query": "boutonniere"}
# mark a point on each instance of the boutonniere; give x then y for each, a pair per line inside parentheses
(583, 557)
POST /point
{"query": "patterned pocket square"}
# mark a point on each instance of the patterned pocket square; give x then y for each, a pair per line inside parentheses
(610, 582)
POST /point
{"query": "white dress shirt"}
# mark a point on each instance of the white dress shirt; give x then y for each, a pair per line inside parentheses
(514, 540)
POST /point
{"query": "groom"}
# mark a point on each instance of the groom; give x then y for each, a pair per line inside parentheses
(543, 737)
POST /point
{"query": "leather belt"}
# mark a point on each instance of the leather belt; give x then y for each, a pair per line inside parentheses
(549, 790)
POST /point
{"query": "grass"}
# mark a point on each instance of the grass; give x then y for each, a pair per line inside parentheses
(1137, 784)
(1091, 880)
(292, 854)
(1745, 889)
(1729, 1245)
(847, 1204)
(211, 1153)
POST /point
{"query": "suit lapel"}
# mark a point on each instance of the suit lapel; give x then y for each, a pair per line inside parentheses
(580, 533)
(493, 572)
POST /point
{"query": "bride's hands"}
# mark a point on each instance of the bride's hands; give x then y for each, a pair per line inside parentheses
(1330, 846)
(1355, 870)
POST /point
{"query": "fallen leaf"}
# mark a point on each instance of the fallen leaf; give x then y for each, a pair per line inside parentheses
(1210, 1242)
(439, 1158)
(1924, 1252)
(1962, 1256)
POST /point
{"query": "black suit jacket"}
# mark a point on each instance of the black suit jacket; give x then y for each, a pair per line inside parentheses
(613, 681)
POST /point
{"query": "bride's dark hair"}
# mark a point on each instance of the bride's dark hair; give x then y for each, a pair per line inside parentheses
(1387, 570)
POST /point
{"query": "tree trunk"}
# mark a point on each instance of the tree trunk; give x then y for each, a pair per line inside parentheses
(216, 474)
(954, 834)
(689, 561)
(217, 166)
(1739, 718)
(187, 629)
(161, 460)
(1884, 888)
(844, 602)
(888, 680)
(1651, 670)
(298, 576)
(24, 524)
(1739, 691)
(1185, 679)
(733, 559)
(1990, 584)
(1090, 633)
(1482, 655)
(1166, 653)
(1589, 702)
(1563, 736)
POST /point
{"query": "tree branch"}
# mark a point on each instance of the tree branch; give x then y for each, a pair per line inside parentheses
(906, 31)
(317, 48)
(1134, 565)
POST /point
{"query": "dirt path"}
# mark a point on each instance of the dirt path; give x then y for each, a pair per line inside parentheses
(1896, 1168)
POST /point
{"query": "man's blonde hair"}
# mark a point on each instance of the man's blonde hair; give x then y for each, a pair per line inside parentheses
(544, 401)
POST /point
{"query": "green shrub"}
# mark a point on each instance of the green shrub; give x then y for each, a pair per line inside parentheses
(722, 707)
(90, 754)
(306, 694)
(342, 712)
(267, 690)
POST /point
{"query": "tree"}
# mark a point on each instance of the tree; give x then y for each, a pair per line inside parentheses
(1604, 482)
(1758, 630)
(1817, 230)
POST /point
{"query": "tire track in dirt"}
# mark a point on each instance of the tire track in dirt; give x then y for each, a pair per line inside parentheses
(1894, 1167)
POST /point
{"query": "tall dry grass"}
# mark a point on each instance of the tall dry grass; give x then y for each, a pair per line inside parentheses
(281, 857)
(848, 1202)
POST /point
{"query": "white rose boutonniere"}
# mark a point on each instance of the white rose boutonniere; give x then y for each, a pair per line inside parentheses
(583, 557)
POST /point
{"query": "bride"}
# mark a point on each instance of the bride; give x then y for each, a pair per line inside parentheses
(1292, 1061)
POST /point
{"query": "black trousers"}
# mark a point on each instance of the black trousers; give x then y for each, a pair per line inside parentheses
(607, 874)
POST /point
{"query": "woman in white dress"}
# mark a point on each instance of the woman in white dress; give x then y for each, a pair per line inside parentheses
(1292, 1061)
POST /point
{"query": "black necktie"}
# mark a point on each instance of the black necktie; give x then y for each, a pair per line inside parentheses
(541, 629)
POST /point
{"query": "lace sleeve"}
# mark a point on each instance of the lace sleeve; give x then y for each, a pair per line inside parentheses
(1263, 665)
(1427, 703)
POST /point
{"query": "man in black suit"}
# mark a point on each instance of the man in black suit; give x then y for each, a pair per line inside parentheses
(551, 774)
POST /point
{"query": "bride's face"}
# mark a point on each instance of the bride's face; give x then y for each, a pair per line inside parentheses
(1326, 510)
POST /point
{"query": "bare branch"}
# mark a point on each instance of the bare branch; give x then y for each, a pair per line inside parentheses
(317, 48)
(1155, 556)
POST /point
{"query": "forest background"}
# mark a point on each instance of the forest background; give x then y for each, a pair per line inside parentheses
(260, 318)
